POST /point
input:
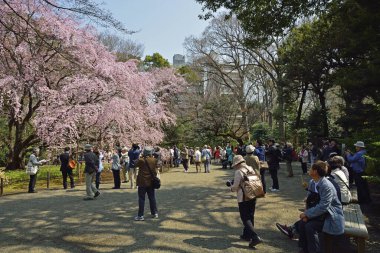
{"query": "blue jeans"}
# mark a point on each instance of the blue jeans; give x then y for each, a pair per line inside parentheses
(207, 165)
(141, 191)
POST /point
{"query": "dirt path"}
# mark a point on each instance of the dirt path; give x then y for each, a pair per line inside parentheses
(197, 214)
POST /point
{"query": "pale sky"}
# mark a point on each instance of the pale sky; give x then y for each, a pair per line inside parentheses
(163, 25)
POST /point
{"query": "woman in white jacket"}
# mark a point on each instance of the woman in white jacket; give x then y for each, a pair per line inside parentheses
(340, 178)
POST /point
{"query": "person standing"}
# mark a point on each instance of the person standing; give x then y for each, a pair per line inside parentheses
(197, 159)
(147, 169)
(246, 207)
(206, 158)
(90, 169)
(288, 150)
(229, 154)
(304, 157)
(358, 164)
(251, 159)
(260, 153)
(99, 155)
(124, 161)
(185, 158)
(273, 156)
(66, 171)
(116, 169)
(134, 154)
(33, 161)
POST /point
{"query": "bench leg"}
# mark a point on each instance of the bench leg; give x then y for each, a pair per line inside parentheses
(361, 245)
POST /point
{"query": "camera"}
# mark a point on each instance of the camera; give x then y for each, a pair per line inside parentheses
(229, 183)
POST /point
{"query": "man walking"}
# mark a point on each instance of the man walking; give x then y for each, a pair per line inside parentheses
(91, 166)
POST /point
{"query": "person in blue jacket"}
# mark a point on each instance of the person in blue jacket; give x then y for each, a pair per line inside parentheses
(260, 153)
(358, 164)
(326, 216)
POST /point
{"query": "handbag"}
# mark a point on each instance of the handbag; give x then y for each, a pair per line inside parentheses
(252, 186)
(264, 165)
(31, 170)
(156, 182)
(72, 164)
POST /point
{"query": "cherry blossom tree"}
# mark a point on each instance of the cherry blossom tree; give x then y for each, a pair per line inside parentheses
(59, 85)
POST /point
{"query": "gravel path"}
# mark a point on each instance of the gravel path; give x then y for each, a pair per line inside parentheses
(197, 214)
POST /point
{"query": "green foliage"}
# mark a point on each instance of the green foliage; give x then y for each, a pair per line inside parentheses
(15, 176)
(373, 159)
(189, 74)
(262, 18)
(261, 131)
(156, 61)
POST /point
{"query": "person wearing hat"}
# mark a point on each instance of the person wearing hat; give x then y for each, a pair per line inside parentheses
(358, 164)
(90, 169)
(33, 161)
(147, 167)
(251, 159)
(124, 161)
(246, 207)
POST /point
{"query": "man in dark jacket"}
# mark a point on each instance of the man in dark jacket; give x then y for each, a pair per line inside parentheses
(273, 155)
(147, 170)
(134, 154)
(91, 167)
(65, 169)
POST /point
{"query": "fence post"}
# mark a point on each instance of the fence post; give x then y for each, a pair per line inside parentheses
(48, 180)
(1, 186)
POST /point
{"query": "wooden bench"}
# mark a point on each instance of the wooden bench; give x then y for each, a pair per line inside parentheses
(355, 226)
(354, 194)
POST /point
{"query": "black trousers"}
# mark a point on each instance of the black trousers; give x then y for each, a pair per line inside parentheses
(262, 174)
(310, 235)
(362, 186)
(32, 182)
(304, 168)
(247, 216)
(273, 174)
(116, 178)
(65, 174)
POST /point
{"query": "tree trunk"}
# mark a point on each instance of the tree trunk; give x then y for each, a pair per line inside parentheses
(325, 124)
(299, 111)
(280, 100)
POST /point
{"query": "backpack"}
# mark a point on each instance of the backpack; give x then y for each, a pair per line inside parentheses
(251, 185)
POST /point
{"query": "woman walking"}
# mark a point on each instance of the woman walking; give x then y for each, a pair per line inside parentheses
(147, 170)
(246, 207)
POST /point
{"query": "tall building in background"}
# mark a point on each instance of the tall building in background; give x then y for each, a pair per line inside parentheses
(178, 60)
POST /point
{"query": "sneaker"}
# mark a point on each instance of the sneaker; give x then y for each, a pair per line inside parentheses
(254, 242)
(285, 230)
(97, 194)
(155, 216)
(139, 218)
(274, 190)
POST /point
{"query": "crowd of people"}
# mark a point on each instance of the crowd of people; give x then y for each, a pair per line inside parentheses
(332, 174)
